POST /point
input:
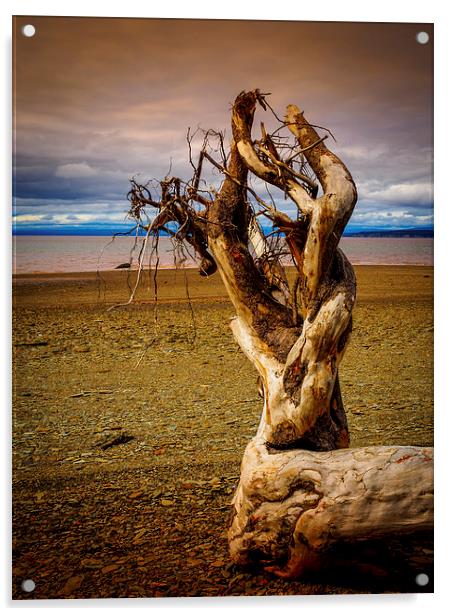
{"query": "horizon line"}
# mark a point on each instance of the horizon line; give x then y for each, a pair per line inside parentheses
(102, 232)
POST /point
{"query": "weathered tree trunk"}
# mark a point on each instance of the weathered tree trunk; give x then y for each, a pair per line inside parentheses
(292, 507)
(295, 511)
(302, 495)
(303, 406)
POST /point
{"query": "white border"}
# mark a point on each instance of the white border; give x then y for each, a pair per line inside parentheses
(328, 10)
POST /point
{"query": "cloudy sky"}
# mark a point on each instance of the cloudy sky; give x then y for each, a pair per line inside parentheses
(99, 100)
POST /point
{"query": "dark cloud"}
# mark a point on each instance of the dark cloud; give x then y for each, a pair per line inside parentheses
(98, 100)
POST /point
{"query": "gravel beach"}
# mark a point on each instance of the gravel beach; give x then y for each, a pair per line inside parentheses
(129, 426)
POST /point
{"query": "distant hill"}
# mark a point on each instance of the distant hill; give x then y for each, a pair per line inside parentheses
(106, 230)
(391, 233)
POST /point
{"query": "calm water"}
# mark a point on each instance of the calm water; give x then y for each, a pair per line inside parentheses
(40, 253)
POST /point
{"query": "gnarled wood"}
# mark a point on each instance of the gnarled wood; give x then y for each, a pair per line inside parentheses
(299, 405)
(302, 494)
(295, 510)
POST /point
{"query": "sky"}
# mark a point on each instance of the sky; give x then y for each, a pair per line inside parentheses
(97, 101)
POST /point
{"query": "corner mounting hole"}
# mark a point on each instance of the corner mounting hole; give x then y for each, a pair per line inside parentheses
(422, 579)
(28, 585)
(422, 38)
(28, 30)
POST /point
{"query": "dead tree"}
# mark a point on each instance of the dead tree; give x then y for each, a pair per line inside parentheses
(303, 496)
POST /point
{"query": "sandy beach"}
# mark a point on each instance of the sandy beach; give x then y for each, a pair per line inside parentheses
(129, 426)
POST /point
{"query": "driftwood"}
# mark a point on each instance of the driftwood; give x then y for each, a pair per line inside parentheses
(303, 496)
(296, 511)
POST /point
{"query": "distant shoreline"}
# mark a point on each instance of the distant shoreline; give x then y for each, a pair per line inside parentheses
(57, 254)
(93, 274)
(396, 234)
(374, 233)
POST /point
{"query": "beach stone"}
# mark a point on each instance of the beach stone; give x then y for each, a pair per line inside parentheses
(113, 439)
(81, 349)
(109, 568)
(166, 502)
(136, 494)
(73, 583)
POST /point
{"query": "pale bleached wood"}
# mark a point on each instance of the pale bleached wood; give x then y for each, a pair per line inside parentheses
(331, 212)
(301, 494)
(271, 265)
(293, 508)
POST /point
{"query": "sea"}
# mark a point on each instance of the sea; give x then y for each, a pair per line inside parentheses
(59, 254)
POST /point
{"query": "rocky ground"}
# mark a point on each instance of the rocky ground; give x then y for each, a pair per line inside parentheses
(129, 427)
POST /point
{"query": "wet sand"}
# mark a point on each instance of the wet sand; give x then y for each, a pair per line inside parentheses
(129, 426)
